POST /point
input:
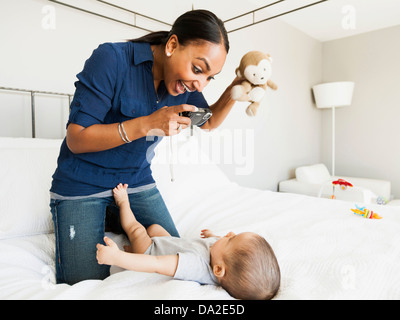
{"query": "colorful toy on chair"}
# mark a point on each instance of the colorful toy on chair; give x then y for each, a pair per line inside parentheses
(366, 213)
(382, 201)
(343, 185)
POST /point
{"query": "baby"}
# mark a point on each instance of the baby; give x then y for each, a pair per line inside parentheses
(244, 264)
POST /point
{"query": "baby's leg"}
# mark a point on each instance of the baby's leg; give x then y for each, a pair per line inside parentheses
(155, 230)
(137, 234)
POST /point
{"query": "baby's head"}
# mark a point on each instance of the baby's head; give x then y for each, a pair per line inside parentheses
(245, 266)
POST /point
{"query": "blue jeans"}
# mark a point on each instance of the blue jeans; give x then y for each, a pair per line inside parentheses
(79, 226)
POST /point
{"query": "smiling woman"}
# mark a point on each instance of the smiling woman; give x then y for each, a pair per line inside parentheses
(189, 56)
(193, 26)
(126, 92)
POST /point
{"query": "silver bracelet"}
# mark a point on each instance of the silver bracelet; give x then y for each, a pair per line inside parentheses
(124, 136)
(120, 133)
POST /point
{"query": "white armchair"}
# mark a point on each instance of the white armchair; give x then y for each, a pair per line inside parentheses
(316, 181)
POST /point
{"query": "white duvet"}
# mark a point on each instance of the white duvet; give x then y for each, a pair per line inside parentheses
(324, 250)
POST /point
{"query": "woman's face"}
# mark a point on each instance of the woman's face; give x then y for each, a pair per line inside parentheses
(191, 67)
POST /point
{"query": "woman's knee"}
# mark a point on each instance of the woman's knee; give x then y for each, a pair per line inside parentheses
(79, 226)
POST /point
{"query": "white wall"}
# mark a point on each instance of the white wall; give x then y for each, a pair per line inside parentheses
(35, 57)
(367, 132)
(286, 132)
(287, 128)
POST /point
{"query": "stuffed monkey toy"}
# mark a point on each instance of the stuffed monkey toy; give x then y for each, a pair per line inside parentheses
(255, 70)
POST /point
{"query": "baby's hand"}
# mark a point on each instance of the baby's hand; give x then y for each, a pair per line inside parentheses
(206, 233)
(120, 194)
(106, 254)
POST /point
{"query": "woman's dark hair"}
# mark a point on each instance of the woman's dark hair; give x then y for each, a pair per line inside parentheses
(193, 26)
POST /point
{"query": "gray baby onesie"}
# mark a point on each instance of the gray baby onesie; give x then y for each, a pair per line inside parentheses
(194, 257)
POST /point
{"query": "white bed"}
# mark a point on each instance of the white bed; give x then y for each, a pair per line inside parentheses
(324, 251)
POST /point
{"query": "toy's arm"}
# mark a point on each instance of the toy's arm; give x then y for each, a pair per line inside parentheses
(272, 85)
(240, 91)
(256, 94)
(246, 86)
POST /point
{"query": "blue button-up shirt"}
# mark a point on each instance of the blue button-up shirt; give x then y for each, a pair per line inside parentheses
(115, 85)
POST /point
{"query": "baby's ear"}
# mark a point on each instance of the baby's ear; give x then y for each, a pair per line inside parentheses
(219, 270)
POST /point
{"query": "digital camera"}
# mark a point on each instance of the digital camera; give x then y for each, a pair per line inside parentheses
(198, 117)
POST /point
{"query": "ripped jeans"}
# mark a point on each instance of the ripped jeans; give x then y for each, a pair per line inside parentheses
(79, 226)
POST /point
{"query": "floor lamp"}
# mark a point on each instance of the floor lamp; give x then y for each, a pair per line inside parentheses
(333, 95)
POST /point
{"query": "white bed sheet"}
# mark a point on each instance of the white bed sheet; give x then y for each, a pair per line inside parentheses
(324, 251)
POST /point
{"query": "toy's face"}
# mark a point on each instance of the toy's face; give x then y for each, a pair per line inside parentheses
(259, 74)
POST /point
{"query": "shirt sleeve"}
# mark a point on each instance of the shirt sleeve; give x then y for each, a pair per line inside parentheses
(197, 99)
(191, 267)
(95, 87)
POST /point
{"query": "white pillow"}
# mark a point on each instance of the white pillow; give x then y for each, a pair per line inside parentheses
(27, 166)
(315, 174)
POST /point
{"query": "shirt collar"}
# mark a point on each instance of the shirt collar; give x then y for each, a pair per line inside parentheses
(141, 52)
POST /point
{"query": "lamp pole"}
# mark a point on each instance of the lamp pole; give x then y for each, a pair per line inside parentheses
(333, 95)
(333, 141)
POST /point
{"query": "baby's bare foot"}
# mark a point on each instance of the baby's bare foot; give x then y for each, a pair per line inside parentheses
(120, 194)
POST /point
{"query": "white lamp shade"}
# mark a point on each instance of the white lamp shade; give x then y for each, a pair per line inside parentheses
(333, 94)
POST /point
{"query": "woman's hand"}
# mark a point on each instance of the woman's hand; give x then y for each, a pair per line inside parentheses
(167, 121)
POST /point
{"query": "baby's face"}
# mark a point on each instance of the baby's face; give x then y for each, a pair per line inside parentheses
(227, 243)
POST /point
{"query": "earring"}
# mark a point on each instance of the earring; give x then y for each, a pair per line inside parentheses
(168, 54)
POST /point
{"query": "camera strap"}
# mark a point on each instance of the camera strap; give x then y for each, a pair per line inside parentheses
(171, 159)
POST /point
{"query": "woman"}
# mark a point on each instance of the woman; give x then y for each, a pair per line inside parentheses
(125, 92)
